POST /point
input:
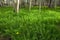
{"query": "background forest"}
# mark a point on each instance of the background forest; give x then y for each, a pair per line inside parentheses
(29, 19)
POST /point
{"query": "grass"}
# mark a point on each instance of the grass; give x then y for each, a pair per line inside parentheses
(30, 25)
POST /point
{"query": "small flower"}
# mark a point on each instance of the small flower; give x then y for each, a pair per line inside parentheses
(17, 33)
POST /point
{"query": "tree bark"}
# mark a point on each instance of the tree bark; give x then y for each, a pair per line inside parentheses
(18, 6)
(30, 2)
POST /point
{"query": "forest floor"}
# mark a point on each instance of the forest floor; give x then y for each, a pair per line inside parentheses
(30, 22)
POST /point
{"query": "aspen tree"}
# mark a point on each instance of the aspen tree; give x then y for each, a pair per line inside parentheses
(30, 4)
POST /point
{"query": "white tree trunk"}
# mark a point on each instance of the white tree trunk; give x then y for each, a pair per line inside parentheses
(17, 6)
(30, 2)
(5, 1)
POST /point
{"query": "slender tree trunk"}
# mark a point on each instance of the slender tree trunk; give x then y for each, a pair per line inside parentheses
(40, 1)
(55, 1)
(30, 4)
(20, 3)
(0, 3)
(5, 1)
(18, 6)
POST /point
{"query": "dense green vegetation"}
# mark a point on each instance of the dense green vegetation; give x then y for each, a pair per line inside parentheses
(30, 25)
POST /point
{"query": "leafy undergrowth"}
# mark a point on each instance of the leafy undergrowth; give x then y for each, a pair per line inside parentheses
(30, 25)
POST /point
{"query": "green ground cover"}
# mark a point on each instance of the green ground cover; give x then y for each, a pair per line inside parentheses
(30, 25)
